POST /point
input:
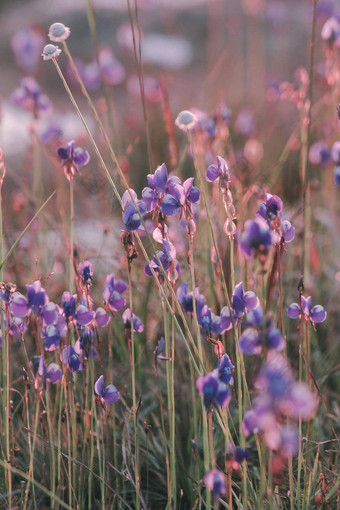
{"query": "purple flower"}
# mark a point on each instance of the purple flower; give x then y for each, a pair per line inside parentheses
(236, 456)
(70, 358)
(213, 390)
(257, 238)
(138, 326)
(225, 369)
(72, 157)
(271, 208)
(112, 293)
(110, 394)
(319, 154)
(288, 231)
(29, 96)
(52, 373)
(219, 171)
(26, 44)
(242, 301)
(83, 315)
(180, 198)
(18, 305)
(37, 296)
(330, 33)
(102, 319)
(112, 70)
(262, 330)
(315, 314)
(215, 481)
(83, 345)
(152, 194)
(131, 217)
(337, 175)
(85, 269)
(335, 153)
(68, 304)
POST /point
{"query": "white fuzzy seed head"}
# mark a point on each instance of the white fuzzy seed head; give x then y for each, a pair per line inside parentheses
(50, 51)
(186, 120)
(58, 32)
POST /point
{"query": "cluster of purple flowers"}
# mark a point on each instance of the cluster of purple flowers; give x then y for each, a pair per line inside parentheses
(266, 229)
(213, 387)
(279, 397)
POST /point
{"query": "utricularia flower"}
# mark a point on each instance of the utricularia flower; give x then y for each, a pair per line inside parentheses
(109, 395)
(72, 157)
(314, 314)
(50, 51)
(257, 238)
(58, 32)
(215, 481)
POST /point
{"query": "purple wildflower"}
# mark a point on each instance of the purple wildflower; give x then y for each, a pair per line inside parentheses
(26, 44)
(213, 390)
(261, 330)
(180, 198)
(315, 314)
(271, 208)
(131, 217)
(30, 97)
(215, 481)
(242, 301)
(71, 359)
(37, 296)
(18, 305)
(152, 194)
(68, 304)
(330, 33)
(52, 373)
(219, 171)
(102, 319)
(225, 369)
(72, 157)
(337, 175)
(138, 326)
(85, 269)
(83, 345)
(112, 293)
(257, 238)
(319, 154)
(109, 395)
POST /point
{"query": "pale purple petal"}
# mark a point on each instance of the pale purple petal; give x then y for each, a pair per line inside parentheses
(99, 386)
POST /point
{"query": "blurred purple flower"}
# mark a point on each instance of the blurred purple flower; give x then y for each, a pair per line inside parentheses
(257, 238)
(330, 33)
(213, 390)
(70, 358)
(112, 293)
(18, 305)
(52, 373)
(37, 296)
(261, 330)
(83, 345)
(83, 315)
(85, 269)
(102, 319)
(72, 158)
(138, 326)
(26, 44)
(68, 304)
(337, 175)
(225, 369)
(242, 301)
(29, 96)
(109, 395)
(319, 154)
(271, 208)
(219, 171)
(215, 481)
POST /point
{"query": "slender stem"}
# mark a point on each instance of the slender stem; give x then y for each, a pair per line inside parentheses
(52, 448)
(71, 279)
(134, 398)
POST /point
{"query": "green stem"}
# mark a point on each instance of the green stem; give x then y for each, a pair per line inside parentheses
(71, 279)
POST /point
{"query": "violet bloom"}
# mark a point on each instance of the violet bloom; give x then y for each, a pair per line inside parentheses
(261, 331)
(243, 301)
(219, 171)
(30, 97)
(180, 198)
(83, 345)
(257, 238)
(112, 70)
(319, 154)
(271, 208)
(225, 369)
(215, 481)
(112, 293)
(213, 390)
(84, 316)
(52, 373)
(72, 158)
(236, 456)
(18, 305)
(330, 33)
(26, 44)
(37, 296)
(138, 326)
(168, 261)
(131, 217)
(337, 175)
(85, 269)
(101, 319)
(278, 395)
(68, 304)
(314, 314)
(71, 359)
(152, 194)
(109, 395)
